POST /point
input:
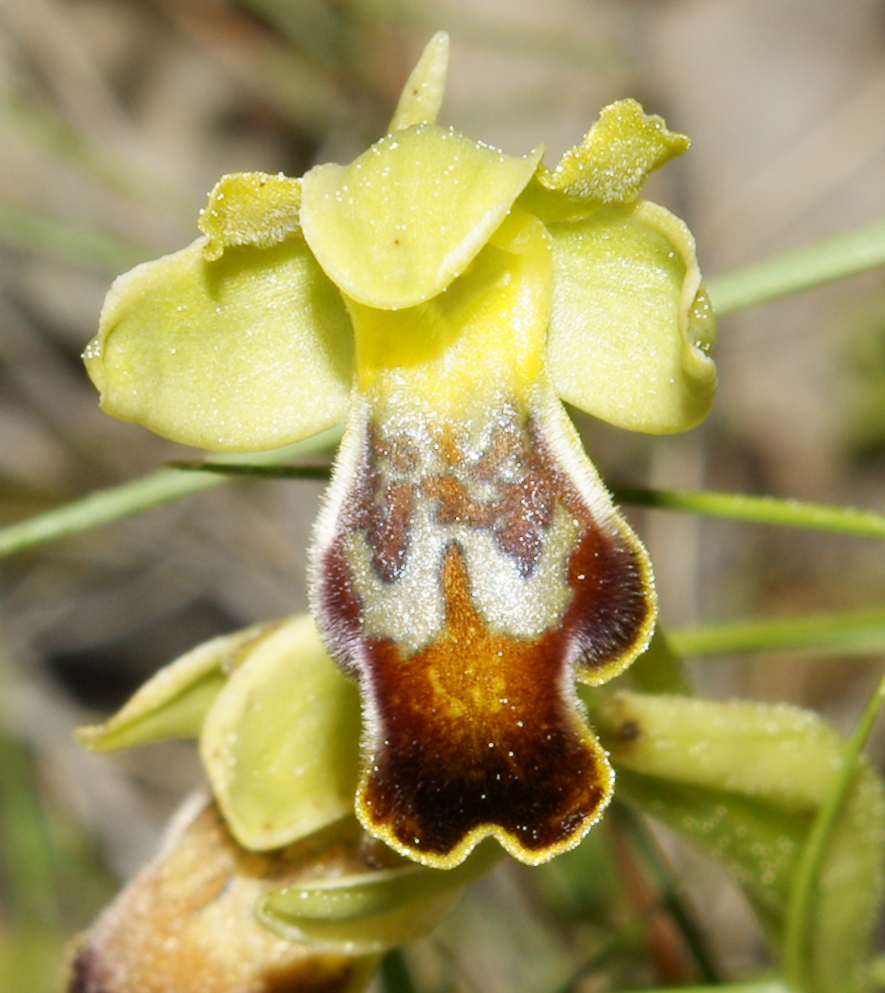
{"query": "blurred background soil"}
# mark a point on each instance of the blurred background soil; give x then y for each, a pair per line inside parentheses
(116, 118)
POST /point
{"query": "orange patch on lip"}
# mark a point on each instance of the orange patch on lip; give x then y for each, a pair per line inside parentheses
(479, 734)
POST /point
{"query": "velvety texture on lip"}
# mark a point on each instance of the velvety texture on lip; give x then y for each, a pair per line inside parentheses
(477, 730)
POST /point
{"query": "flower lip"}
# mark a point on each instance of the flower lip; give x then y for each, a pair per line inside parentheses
(398, 224)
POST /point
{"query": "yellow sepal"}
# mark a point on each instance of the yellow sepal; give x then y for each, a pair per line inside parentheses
(397, 225)
(248, 352)
(631, 326)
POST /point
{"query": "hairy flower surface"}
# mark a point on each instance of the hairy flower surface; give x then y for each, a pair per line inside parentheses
(441, 297)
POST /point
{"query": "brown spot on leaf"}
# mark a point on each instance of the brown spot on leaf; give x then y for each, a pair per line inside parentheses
(629, 731)
(84, 974)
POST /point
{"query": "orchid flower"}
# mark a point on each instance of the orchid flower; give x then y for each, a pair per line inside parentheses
(440, 298)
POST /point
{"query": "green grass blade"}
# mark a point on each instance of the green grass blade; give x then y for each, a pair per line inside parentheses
(758, 509)
(92, 249)
(802, 269)
(320, 472)
(857, 632)
(25, 845)
(801, 906)
(395, 975)
(139, 494)
(765, 986)
(736, 506)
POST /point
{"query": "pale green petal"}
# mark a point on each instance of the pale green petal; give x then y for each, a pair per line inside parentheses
(615, 156)
(173, 703)
(372, 911)
(609, 165)
(631, 324)
(398, 224)
(250, 208)
(368, 937)
(248, 352)
(280, 744)
(423, 93)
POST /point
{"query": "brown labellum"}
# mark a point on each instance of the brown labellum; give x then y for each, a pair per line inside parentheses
(466, 579)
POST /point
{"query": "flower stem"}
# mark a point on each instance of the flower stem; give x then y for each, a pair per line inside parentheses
(759, 509)
(800, 908)
(798, 270)
(138, 494)
(857, 632)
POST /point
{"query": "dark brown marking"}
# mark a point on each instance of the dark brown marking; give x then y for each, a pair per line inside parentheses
(520, 511)
(84, 976)
(629, 731)
(381, 503)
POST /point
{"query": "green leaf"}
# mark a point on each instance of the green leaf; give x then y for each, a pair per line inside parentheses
(773, 753)
(746, 780)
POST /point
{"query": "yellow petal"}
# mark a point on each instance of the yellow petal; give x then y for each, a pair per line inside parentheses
(483, 335)
(251, 351)
(631, 325)
(609, 165)
(398, 224)
(423, 93)
(469, 566)
(281, 742)
(250, 208)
